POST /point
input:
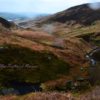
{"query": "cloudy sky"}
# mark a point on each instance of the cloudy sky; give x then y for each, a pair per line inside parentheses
(39, 6)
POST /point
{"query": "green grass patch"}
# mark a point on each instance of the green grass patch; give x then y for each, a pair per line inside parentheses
(47, 65)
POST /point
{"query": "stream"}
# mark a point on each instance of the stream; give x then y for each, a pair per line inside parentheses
(90, 57)
(94, 69)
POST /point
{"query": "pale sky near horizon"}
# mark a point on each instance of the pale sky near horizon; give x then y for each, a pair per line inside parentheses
(39, 6)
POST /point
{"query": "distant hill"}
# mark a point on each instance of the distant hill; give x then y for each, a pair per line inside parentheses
(12, 16)
(19, 16)
(82, 14)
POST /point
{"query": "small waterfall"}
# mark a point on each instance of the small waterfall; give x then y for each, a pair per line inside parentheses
(92, 61)
(89, 56)
(94, 69)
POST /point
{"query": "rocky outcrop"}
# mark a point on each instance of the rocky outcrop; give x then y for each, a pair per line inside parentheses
(5, 23)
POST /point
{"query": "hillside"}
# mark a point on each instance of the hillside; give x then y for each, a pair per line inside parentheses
(52, 52)
(81, 14)
(79, 21)
(20, 48)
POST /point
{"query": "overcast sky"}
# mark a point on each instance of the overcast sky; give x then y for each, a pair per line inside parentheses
(39, 6)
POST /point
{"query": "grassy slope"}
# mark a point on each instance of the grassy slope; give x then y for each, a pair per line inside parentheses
(79, 31)
(47, 65)
(38, 56)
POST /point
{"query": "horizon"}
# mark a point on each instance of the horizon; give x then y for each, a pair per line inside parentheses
(39, 6)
